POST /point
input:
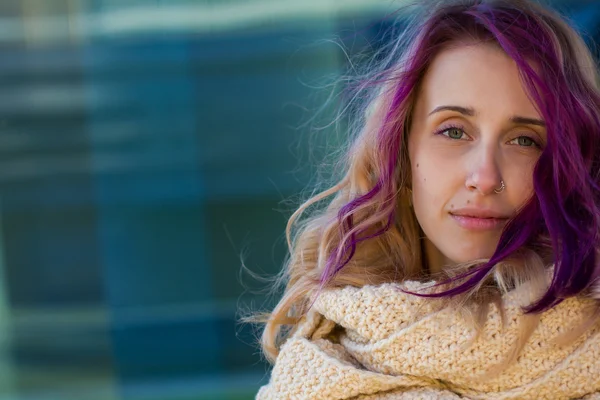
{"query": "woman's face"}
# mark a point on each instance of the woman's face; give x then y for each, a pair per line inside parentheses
(473, 126)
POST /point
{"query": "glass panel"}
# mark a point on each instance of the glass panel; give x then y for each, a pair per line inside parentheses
(144, 147)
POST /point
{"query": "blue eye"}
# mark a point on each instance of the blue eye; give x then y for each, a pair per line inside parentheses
(527, 142)
(452, 132)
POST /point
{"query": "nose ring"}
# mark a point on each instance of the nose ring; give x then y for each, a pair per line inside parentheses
(502, 187)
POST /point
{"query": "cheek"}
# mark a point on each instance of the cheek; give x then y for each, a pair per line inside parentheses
(430, 179)
(428, 194)
(521, 183)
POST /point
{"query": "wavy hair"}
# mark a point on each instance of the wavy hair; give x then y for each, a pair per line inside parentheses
(367, 232)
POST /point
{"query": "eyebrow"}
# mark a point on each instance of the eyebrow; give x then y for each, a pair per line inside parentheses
(468, 111)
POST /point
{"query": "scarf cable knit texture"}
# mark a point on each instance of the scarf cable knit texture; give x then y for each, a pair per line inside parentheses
(398, 346)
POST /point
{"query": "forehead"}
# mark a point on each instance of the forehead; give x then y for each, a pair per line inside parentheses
(478, 75)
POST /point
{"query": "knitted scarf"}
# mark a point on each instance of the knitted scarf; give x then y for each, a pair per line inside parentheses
(376, 342)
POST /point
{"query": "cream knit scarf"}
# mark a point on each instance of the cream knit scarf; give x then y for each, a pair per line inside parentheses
(397, 346)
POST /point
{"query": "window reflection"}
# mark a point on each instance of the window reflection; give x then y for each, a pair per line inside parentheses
(144, 146)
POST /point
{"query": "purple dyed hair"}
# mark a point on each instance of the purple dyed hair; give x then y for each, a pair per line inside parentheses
(565, 205)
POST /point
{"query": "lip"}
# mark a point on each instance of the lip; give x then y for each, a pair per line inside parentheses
(479, 212)
(479, 224)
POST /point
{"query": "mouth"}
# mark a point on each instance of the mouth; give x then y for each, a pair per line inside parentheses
(478, 223)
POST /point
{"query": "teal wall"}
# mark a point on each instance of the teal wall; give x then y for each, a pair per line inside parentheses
(145, 146)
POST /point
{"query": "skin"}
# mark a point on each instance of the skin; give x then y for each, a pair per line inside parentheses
(459, 157)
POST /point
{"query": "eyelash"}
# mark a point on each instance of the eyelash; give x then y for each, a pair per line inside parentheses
(460, 128)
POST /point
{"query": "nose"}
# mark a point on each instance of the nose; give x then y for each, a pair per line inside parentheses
(483, 168)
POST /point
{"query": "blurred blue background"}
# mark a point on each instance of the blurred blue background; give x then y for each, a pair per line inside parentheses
(144, 147)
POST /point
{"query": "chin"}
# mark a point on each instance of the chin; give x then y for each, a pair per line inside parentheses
(471, 256)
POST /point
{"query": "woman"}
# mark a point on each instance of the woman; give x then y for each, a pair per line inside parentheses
(456, 257)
